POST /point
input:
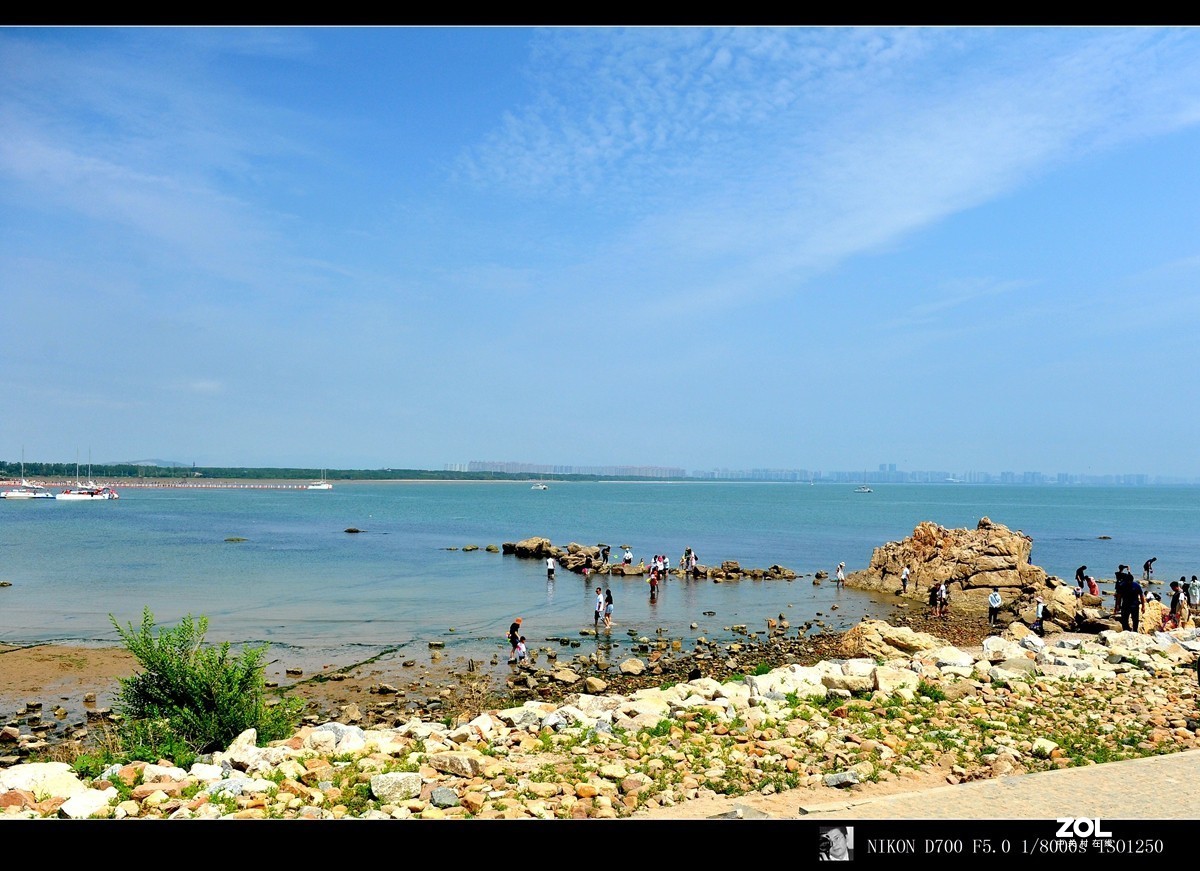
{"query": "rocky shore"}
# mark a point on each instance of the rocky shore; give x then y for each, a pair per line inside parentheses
(910, 708)
(911, 702)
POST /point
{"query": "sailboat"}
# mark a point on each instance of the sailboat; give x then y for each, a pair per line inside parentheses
(91, 491)
(321, 484)
(26, 489)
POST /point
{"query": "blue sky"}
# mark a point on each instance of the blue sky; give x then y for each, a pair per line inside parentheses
(828, 248)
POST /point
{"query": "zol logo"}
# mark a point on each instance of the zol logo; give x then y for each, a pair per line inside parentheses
(1069, 827)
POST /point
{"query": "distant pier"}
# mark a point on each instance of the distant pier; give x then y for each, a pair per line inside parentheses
(212, 485)
(176, 485)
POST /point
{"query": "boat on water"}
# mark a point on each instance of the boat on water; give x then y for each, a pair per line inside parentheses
(26, 490)
(321, 484)
(87, 492)
(863, 489)
(539, 486)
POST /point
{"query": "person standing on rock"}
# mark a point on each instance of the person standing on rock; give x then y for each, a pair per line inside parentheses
(904, 580)
(1193, 597)
(1175, 616)
(1120, 584)
(1133, 601)
(1039, 615)
(627, 557)
(1148, 568)
(994, 603)
(841, 575)
(1081, 577)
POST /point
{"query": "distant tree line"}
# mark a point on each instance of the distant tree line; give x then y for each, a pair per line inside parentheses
(130, 470)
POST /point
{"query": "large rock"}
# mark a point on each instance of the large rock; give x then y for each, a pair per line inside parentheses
(535, 547)
(878, 639)
(971, 561)
(633, 666)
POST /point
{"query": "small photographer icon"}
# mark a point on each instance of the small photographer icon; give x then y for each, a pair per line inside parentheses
(835, 843)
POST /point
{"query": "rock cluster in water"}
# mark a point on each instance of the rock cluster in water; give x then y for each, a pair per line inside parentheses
(584, 558)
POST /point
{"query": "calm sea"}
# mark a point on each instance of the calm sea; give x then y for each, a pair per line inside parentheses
(301, 583)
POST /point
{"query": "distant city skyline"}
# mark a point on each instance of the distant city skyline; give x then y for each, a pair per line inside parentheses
(692, 247)
(883, 473)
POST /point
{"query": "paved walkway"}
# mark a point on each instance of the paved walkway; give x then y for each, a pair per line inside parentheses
(1154, 788)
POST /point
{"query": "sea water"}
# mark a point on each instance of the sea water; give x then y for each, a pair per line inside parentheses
(300, 582)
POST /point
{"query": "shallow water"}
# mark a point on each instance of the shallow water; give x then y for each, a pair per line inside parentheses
(300, 582)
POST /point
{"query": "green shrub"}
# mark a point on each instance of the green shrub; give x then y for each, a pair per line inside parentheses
(191, 698)
(90, 765)
(933, 693)
(761, 669)
(660, 729)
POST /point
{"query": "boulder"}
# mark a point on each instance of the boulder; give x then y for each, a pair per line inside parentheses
(878, 639)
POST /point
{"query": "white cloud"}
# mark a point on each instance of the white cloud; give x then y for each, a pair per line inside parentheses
(776, 154)
(205, 386)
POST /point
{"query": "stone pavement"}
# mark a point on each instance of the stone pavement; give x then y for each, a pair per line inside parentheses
(1154, 788)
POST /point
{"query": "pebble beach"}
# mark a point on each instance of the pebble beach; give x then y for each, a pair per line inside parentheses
(937, 714)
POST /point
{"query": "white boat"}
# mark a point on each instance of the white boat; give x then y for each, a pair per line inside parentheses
(26, 489)
(87, 493)
(539, 486)
(863, 489)
(322, 484)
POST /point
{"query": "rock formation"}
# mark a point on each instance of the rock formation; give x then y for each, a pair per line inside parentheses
(970, 561)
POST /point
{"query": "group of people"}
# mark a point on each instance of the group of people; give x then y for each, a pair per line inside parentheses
(688, 563)
(1085, 583)
(603, 609)
(660, 566)
(1130, 596)
(1185, 602)
(660, 563)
